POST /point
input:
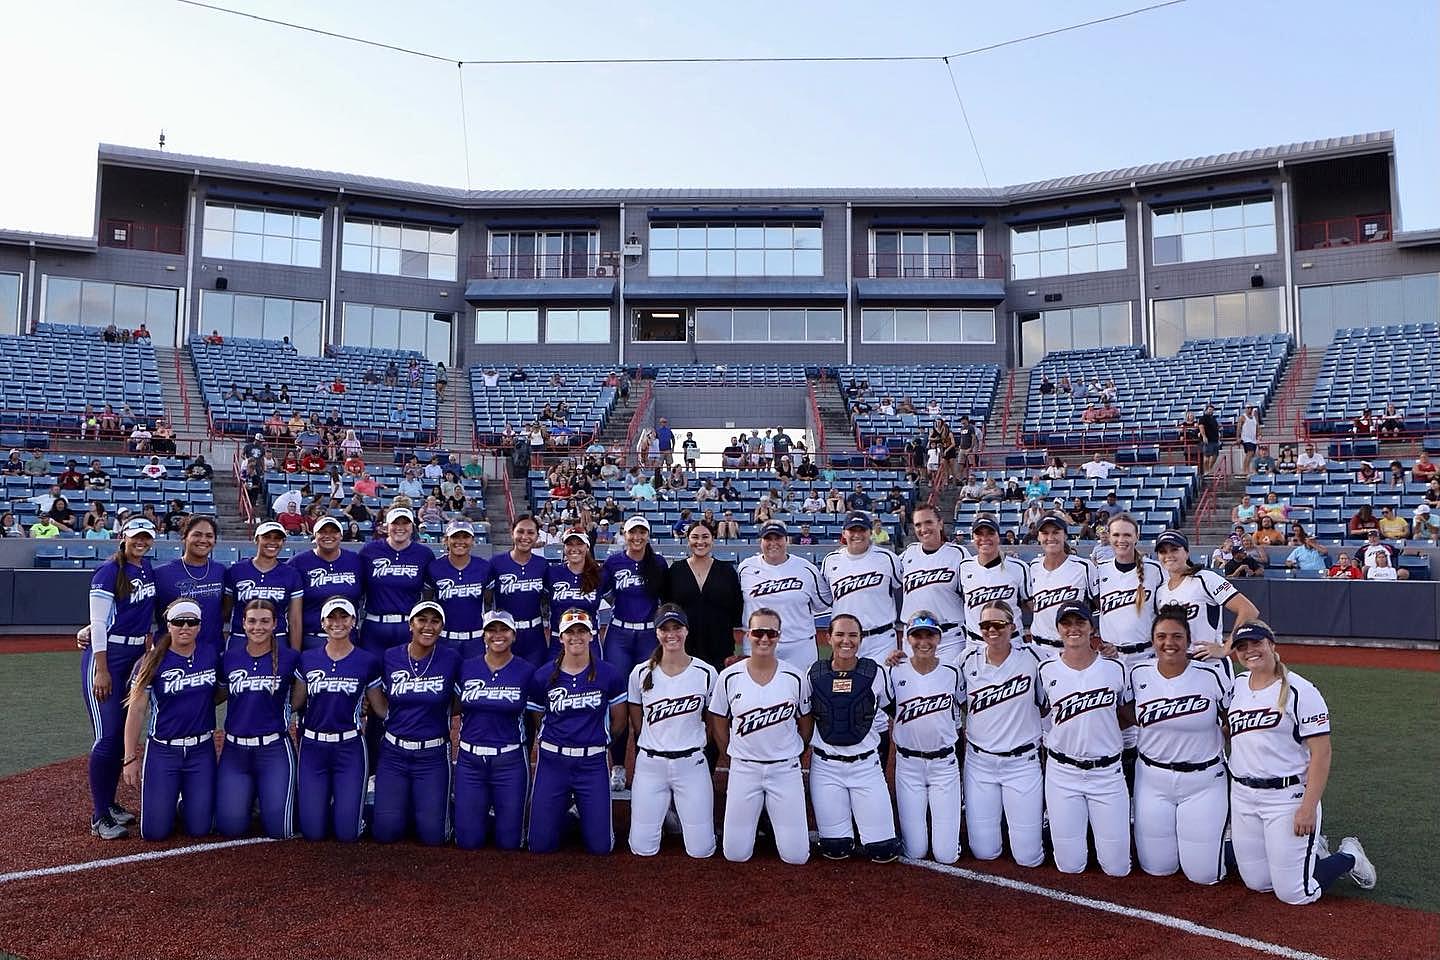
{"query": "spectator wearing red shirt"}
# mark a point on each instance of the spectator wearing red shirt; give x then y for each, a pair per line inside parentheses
(1345, 569)
(312, 462)
(71, 479)
(291, 464)
(292, 520)
(1424, 470)
(338, 386)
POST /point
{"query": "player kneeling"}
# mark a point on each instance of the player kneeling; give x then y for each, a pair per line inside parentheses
(927, 696)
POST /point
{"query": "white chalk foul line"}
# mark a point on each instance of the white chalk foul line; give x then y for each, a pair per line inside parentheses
(132, 858)
(1105, 906)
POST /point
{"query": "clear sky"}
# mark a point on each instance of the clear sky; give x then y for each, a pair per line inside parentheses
(1203, 77)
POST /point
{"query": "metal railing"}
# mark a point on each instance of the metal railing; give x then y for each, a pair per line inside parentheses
(509, 497)
(1344, 231)
(632, 431)
(139, 235)
(819, 423)
(1286, 411)
(931, 266)
(243, 503)
(545, 266)
(180, 382)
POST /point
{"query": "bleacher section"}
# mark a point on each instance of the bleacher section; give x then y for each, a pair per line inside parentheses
(517, 404)
(1153, 395)
(733, 375)
(370, 409)
(55, 373)
(128, 487)
(1373, 366)
(1158, 497)
(960, 389)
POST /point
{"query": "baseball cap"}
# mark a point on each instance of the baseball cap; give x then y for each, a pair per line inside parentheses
(575, 617)
(1052, 520)
(459, 526)
(501, 617)
(775, 528)
(424, 605)
(857, 518)
(1172, 538)
(923, 620)
(140, 526)
(984, 522)
(269, 526)
(636, 521)
(672, 616)
(327, 522)
(1252, 631)
(400, 513)
(337, 603)
(183, 608)
(1074, 608)
(1422, 510)
(580, 535)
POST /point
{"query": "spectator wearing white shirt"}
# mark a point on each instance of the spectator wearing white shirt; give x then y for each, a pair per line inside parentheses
(433, 471)
(1381, 569)
(1098, 468)
(1310, 461)
(154, 470)
(491, 377)
(813, 504)
(1375, 553)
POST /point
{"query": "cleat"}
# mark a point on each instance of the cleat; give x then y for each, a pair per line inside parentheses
(120, 815)
(107, 829)
(1363, 873)
(617, 782)
(1322, 846)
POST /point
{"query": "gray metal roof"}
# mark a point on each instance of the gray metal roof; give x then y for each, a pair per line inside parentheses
(46, 241)
(1077, 185)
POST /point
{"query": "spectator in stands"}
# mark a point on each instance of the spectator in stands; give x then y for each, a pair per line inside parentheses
(1397, 474)
(90, 424)
(431, 512)
(1243, 562)
(356, 510)
(97, 478)
(1055, 469)
(433, 471)
(1423, 525)
(1097, 468)
(642, 489)
(268, 396)
(16, 467)
(1392, 422)
(1275, 508)
(807, 470)
(411, 486)
(213, 339)
(72, 478)
(834, 502)
(1047, 386)
(1269, 534)
(879, 536)
(154, 470)
(275, 425)
(176, 516)
(311, 461)
(1382, 569)
(43, 528)
(887, 406)
(1393, 527)
(858, 499)
(1310, 556)
(139, 438)
(813, 503)
(413, 372)
(944, 441)
(295, 425)
(109, 421)
(198, 469)
(291, 519)
(1363, 521)
(392, 374)
(728, 528)
(111, 334)
(1065, 386)
(1244, 513)
(1432, 492)
(1296, 535)
(971, 489)
(1345, 568)
(1100, 411)
(1192, 435)
(784, 470)
(62, 516)
(763, 511)
(1080, 515)
(162, 441)
(1029, 529)
(1038, 487)
(442, 380)
(878, 453)
(1367, 473)
(291, 461)
(1365, 424)
(1264, 463)
(490, 377)
(1014, 490)
(10, 527)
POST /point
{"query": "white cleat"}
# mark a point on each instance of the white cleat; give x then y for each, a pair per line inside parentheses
(1322, 846)
(1363, 873)
(617, 783)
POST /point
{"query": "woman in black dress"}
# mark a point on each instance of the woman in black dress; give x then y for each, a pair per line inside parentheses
(709, 591)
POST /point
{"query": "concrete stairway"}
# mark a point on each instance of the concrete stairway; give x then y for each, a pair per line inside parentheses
(834, 417)
(176, 394)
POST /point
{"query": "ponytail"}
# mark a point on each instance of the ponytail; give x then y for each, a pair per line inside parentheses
(123, 586)
(1284, 683)
(145, 672)
(589, 573)
(654, 661)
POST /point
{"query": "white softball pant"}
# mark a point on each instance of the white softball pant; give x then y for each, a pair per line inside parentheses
(842, 792)
(1011, 788)
(1180, 821)
(929, 786)
(1098, 799)
(1267, 852)
(657, 781)
(777, 788)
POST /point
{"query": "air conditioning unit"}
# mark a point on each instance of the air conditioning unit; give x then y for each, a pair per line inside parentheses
(604, 271)
(632, 249)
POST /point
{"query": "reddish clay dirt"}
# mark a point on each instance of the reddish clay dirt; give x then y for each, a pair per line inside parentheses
(327, 900)
(36, 644)
(1378, 657)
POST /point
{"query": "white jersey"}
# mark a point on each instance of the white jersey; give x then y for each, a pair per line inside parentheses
(762, 718)
(932, 582)
(1181, 719)
(1007, 579)
(927, 706)
(1122, 622)
(795, 590)
(1082, 705)
(864, 586)
(880, 687)
(673, 709)
(1074, 579)
(1268, 740)
(1002, 703)
(1202, 594)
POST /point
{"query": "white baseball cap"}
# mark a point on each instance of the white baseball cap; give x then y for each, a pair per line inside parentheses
(576, 617)
(400, 513)
(501, 617)
(269, 526)
(327, 521)
(424, 605)
(636, 521)
(337, 603)
(138, 527)
(459, 526)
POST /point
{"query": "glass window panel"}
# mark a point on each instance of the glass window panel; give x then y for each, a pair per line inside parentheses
(9, 303)
(824, 326)
(779, 263)
(129, 307)
(1227, 216)
(1026, 265)
(414, 263)
(911, 326)
(414, 238)
(944, 326)
(779, 237)
(276, 250)
(1199, 317)
(62, 300)
(1057, 329)
(1317, 321)
(663, 263)
(490, 326)
(1228, 243)
(1262, 313)
(97, 303)
(938, 243)
(691, 263)
(751, 238)
(1350, 305)
(249, 221)
(1085, 327)
(713, 325)
(1025, 241)
(1197, 246)
(1114, 324)
(437, 344)
(1260, 239)
(787, 326)
(1083, 259)
(720, 236)
(877, 326)
(808, 263)
(663, 238)
(305, 333)
(749, 263)
(1110, 256)
(219, 217)
(307, 226)
(1053, 263)
(219, 244)
(388, 235)
(249, 316)
(358, 231)
(1196, 219)
(442, 266)
(446, 242)
(594, 326)
(248, 246)
(1052, 238)
(1169, 326)
(691, 238)
(1167, 249)
(1421, 298)
(807, 238)
(1110, 231)
(307, 253)
(720, 263)
(963, 243)
(1080, 233)
(385, 327)
(978, 326)
(752, 324)
(1166, 224)
(356, 331)
(524, 326)
(1229, 314)
(278, 318)
(355, 258)
(1032, 342)
(561, 326)
(279, 224)
(387, 261)
(1259, 212)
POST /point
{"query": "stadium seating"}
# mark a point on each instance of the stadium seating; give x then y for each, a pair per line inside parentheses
(1326, 501)
(1158, 497)
(1154, 394)
(517, 404)
(1373, 366)
(731, 375)
(370, 409)
(963, 389)
(55, 374)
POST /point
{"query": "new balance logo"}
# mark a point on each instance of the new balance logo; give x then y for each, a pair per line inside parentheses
(1068, 708)
(987, 697)
(748, 723)
(1169, 708)
(923, 706)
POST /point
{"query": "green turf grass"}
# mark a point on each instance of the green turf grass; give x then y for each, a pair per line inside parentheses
(41, 712)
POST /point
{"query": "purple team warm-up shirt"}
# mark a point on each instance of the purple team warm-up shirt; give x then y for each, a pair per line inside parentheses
(204, 584)
(620, 580)
(182, 694)
(562, 586)
(493, 702)
(393, 579)
(519, 588)
(420, 691)
(258, 694)
(576, 709)
(280, 584)
(323, 579)
(460, 592)
(335, 689)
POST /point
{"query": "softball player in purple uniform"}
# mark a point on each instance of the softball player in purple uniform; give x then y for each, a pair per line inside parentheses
(492, 770)
(458, 582)
(412, 778)
(577, 700)
(573, 582)
(632, 579)
(326, 571)
(258, 758)
(177, 679)
(392, 574)
(333, 682)
(122, 613)
(264, 577)
(518, 583)
(195, 576)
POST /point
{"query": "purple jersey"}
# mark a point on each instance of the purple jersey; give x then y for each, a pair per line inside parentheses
(323, 579)
(493, 702)
(576, 709)
(204, 584)
(182, 694)
(257, 692)
(621, 581)
(519, 588)
(393, 579)
(335, 689)
(245, 582)
(461, 592)
(133, 616)
(420, 691)
(562, 586)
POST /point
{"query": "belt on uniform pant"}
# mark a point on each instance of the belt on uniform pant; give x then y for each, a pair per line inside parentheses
(627, 625)
(385, 617)
(1083, 764)
(1057, 644)
(571, 751)
(324, 737)
(1181, 767)
(948, 626)
(1134, 648)
(842, 757)
(781, 760)
(671, 754)
(925, 754)
(194, 741)
(876, 631)
(1018, 751)
(527, 624)
(264, 741)
(126, 641)
(487, 751)
(1271, 783)
(463, 635)
(404, 744)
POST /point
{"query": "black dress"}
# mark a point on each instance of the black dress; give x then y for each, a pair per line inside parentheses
(714, 611)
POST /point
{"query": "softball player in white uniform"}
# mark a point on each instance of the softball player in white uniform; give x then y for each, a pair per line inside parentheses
(1125, 590)
(668, 694)
(1182, 797)
(847, 781)
(990, 576)
(864, 580)
(760, 715)
(1084, 787)
(1056, 577)
(1202, 593)
(792, 587)
(1001, 686)
(927, 693)
(931, 581)
(1280, 761)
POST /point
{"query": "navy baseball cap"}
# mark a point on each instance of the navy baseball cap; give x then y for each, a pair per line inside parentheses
(857, 518)
(1253, 630)
(1052, 520)
(984, 522)
(775, 528)
(1172, 538)
(922, 621)
(1074, 608)
(672, 616)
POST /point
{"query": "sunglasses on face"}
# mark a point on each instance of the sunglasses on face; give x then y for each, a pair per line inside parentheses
(185, 622)
(994, 624)
(764, 633)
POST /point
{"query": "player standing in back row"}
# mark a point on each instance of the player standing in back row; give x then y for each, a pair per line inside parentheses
(989, 576)
(865, 581)
(931, 581)
(791, 586)
(1056, 577)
